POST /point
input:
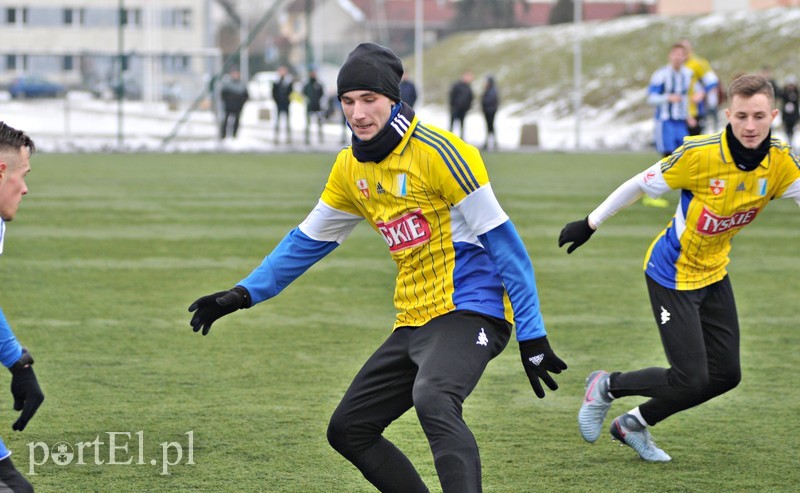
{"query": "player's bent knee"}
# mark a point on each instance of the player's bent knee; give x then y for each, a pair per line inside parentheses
(434, 404)
(348, 438)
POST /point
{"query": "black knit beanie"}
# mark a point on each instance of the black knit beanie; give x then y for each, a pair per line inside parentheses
(371, 67)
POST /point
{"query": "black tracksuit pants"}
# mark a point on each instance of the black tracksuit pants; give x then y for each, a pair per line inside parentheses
(700, 334)
(432, 368)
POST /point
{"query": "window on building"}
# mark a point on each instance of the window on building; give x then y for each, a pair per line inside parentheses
(68, 63)
(11, 15)
(11, 62)
(180, 18)
(66, 16)
(99, 17)
(43, 17)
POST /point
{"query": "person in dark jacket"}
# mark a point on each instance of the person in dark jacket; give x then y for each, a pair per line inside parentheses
(460, 101)
(489, 103)
(408, 91)
(313, 91)
(790, 100)
(233, 95)
(281, 94)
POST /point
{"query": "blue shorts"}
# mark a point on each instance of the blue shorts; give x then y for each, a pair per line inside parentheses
(669, 135)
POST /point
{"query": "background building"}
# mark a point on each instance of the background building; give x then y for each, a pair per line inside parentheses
(154, 46)
(696, 7)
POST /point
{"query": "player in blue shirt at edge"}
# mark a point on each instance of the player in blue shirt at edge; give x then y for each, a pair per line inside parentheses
(16, 149)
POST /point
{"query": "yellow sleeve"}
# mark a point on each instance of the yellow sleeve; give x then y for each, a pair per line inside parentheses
(790, 172)
(677, 168)
(457, 168)
(336, 193)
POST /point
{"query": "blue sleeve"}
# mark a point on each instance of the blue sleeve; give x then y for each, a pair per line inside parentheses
(292, 257)
(516, 270)
(10, 349)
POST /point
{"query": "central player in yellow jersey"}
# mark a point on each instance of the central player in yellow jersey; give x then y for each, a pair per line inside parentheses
(464, 278)
(725, 180)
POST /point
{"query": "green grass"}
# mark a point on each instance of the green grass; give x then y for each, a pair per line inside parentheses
(108, 251)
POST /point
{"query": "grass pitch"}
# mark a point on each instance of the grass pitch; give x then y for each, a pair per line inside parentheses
(108, 251)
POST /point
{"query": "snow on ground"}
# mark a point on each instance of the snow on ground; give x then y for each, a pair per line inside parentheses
(80, 123)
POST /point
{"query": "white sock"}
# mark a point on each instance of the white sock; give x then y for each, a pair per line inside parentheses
(638, 415)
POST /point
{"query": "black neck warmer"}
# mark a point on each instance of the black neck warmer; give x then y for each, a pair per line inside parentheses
(377, 148)
(744, 158)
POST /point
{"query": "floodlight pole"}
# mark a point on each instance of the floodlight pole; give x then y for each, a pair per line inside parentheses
(577, 70)
(244, 45)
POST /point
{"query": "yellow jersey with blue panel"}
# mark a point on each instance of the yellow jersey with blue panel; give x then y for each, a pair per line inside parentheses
(703, 74)
(431, 201)
(717, 200)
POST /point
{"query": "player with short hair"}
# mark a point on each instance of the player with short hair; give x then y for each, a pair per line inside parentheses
(726, 179)
(16, 149)
(464, 277)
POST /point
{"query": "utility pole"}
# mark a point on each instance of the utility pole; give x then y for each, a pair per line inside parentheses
(309, 51)
(577, 69)
(244, 45)
(120, 86)
(419, 41)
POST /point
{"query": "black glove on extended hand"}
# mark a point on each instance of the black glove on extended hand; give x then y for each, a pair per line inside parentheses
(209, 308)
(577, 233)
(25, 388)
(538, 359)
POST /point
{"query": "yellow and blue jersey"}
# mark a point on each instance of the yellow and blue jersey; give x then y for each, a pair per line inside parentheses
(703, 75)
(409, 199)
(432, 203)
(717, 200)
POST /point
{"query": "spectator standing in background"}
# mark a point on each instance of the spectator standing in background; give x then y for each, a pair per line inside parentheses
(233, 95)
(490, 101)
(281, 93)
(766, 71)
(408, 91)
(313, 91)
(790, 113)
(460, 101)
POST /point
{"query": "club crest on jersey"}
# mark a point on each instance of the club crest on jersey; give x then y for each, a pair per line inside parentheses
(717, 186)
(363, 186)
(409, 230)
(762, 187)
(711, 224)
(401, 185)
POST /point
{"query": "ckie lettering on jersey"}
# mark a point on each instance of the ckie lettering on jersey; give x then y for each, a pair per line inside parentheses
(406, 231)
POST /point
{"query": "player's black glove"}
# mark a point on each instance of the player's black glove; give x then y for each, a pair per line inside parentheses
(209, 308)
(577, 233)
(538, 359)
(25, 388)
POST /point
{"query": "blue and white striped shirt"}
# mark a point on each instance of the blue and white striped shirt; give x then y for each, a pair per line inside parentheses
(667, 81)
